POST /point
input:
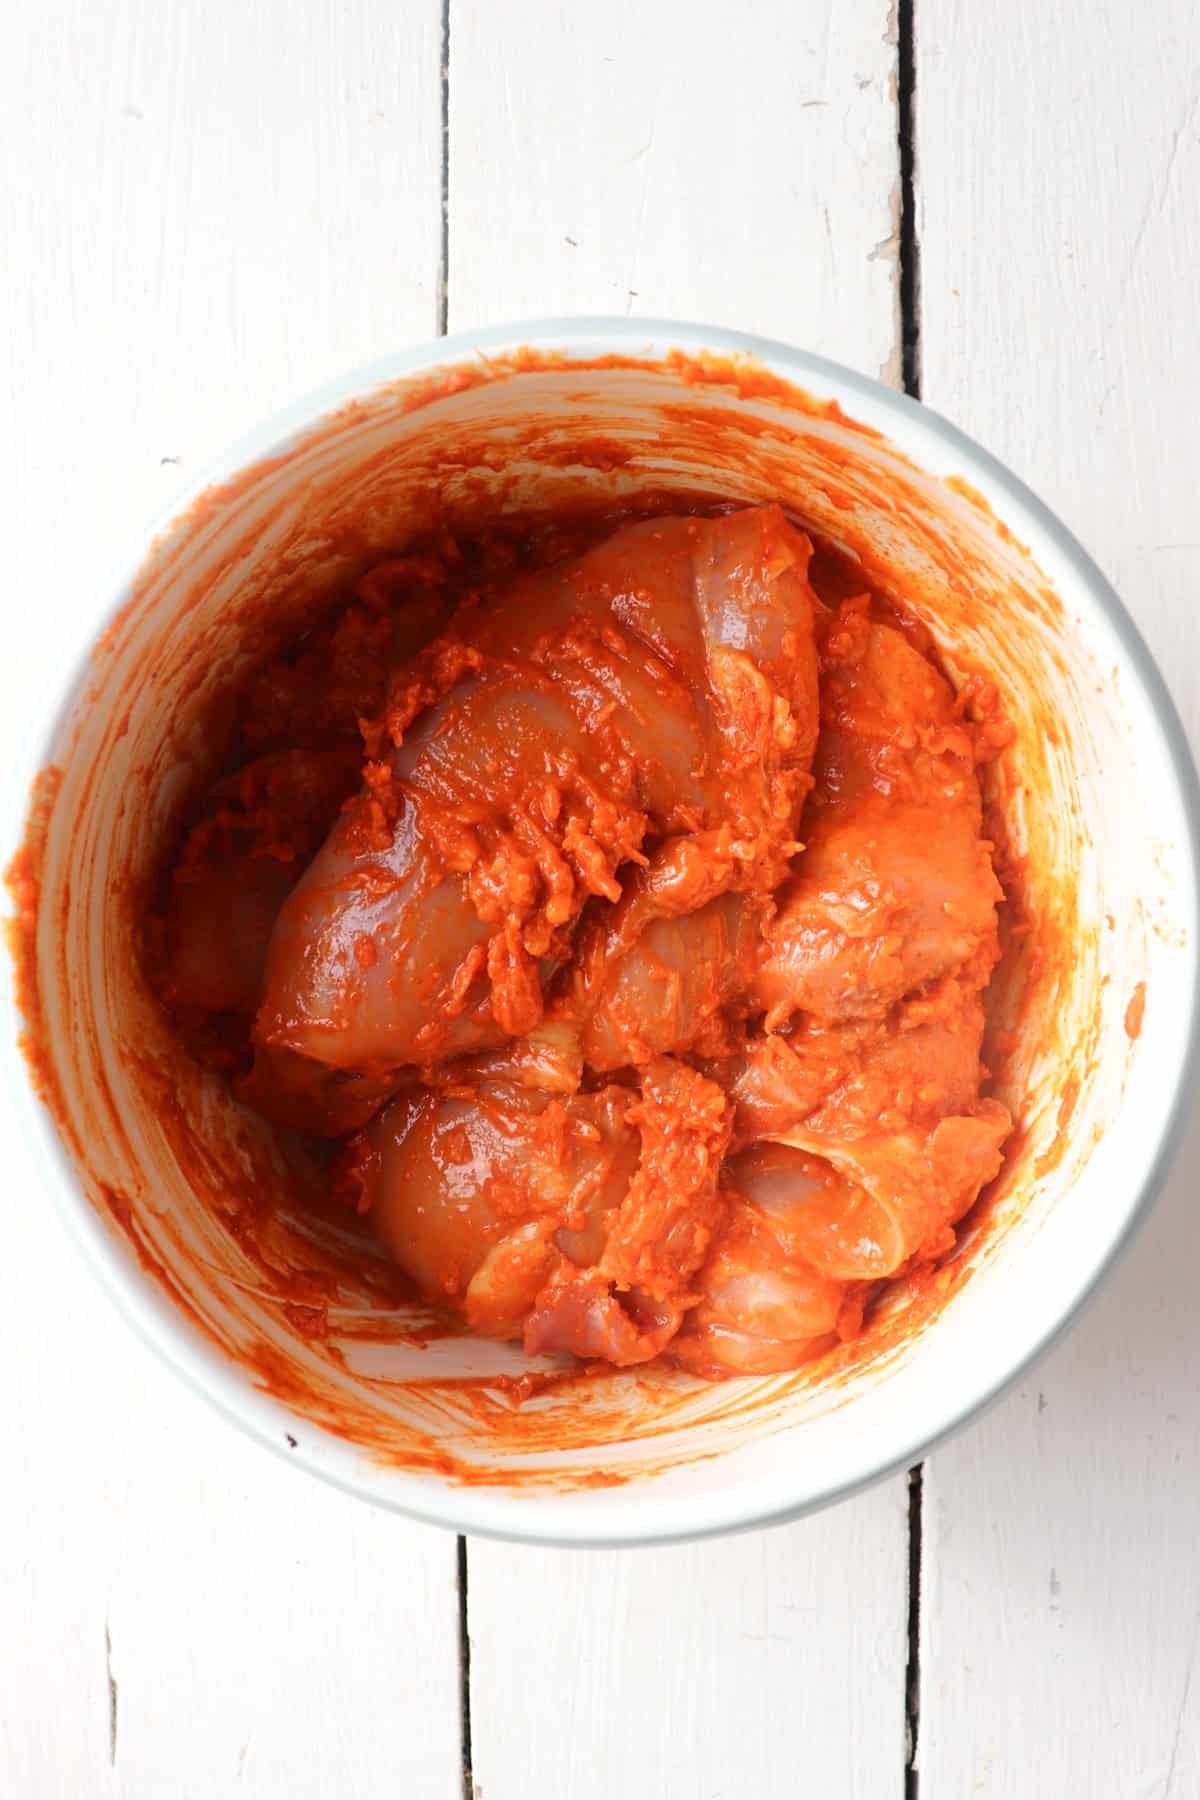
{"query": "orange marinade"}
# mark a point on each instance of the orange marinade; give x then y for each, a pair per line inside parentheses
(616, 896)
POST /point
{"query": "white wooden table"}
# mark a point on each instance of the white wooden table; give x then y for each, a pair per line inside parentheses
(211, 205)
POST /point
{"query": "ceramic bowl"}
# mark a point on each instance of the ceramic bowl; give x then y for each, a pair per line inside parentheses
(192, 1212)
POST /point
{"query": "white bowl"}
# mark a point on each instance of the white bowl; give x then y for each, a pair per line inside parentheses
(146, 1156)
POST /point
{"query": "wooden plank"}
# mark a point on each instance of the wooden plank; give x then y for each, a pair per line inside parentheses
(184, 1614)
(741, 167)
(736, 164)
(764, 1665)
(209, 208)
(1058, 164)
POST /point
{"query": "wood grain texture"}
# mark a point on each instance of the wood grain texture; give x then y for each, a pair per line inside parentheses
(740, 166)
(760, 1666)
(730, 162)
(183, 1615)
(208, 209)
(1059, 167)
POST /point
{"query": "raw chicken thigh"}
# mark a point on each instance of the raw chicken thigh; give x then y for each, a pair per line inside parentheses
(628, 915)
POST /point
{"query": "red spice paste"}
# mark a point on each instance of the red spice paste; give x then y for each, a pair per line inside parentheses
(616, 897)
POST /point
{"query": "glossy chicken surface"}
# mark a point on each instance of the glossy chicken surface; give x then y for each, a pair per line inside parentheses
(625, 909)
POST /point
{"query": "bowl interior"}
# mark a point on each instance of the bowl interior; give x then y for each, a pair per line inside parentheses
(208, 1224)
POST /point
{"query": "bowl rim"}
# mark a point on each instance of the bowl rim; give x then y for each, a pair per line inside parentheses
(497, 1512)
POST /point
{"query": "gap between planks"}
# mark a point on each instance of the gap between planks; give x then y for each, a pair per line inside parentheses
(443, 281)
(910, 381)
(443, 319)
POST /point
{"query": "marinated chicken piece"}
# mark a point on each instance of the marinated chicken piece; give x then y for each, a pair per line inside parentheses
(480, 1193)
(659, 996)
(895, 887)
(922, 1181)
(695, 636)
(531, 756)
(259, 830)
(647, 976)
(647, 979)
(629, 1305)
(422, 927)
(777, 1079)
(827, 1220)
(809, 1233)
(576, 1223)
(743, 581)
(922, 1061)
(867, 1142)
(764, 1307)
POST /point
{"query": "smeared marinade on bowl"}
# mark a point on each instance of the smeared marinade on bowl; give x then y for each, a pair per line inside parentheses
(614, 897)
(238, 1241)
